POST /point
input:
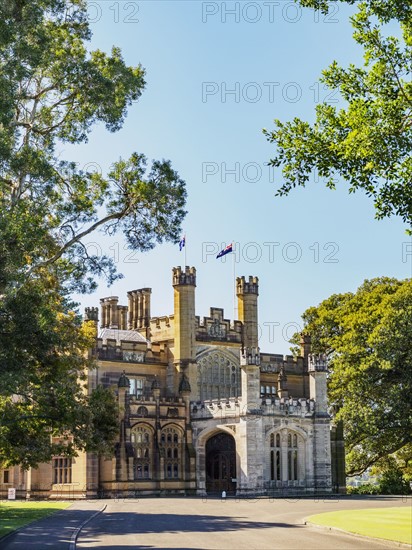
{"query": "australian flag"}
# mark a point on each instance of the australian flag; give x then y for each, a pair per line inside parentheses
(225, 251)
(182, 243)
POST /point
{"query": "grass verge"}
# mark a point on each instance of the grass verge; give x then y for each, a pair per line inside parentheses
(15, 514)
(383, 523)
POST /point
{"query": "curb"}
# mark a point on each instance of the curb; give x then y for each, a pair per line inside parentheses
(76, 532)
(385, 542)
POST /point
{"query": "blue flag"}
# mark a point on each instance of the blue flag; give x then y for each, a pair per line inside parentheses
(182, 243)
(225, 251)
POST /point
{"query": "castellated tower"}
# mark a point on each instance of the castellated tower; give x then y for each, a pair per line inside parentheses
(184, 284)
(247, 295)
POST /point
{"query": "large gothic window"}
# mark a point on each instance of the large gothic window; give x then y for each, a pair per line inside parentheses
(142, 441)
(171, 442)
(219, 376)
(286, 457)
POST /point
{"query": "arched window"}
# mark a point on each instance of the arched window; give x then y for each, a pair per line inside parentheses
(172, 445)
(286, 449)
(219, 376)
(142, 441)
(142, 411)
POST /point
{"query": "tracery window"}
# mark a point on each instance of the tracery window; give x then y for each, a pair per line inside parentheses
(171, 443)
(285, 456)
(142, 411)
(142, 441)
(219, 377)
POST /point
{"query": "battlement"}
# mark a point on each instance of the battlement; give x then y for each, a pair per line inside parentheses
(91, 314)
(130, 351)
(250, 356)
(234, 407)
(247, 287)
(272, 363)
(186, 277)
(217, 328)
(317, 363)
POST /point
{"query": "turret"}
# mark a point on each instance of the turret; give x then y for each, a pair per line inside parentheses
(184, 284)
(247, 294)
(91, 314)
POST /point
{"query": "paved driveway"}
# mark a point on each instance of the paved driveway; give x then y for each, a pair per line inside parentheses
(191, 523)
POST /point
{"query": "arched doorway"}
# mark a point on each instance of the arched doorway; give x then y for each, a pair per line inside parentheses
(221, 464)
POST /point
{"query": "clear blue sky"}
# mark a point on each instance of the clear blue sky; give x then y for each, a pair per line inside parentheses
(270, 55)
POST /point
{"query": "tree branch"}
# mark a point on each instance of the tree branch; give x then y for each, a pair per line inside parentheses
(77, 238)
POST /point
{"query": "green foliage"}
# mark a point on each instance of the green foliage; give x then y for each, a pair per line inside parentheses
(392, 482)
(394, 473)
(53, 90)
(366, 336)
(44, 407)
(365, 489)
(368, 143)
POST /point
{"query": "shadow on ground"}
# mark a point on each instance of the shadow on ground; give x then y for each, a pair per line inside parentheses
(53, 532)
(129, 523)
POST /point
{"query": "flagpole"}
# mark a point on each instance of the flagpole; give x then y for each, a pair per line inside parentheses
(185, 252)
(234, 282)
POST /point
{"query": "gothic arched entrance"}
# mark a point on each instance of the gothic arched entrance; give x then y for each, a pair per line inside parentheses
(221, 464)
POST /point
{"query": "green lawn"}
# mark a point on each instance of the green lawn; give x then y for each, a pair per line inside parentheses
(384, 523)
(14, 514)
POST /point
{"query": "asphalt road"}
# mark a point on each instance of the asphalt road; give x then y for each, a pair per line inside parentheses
(193, 523)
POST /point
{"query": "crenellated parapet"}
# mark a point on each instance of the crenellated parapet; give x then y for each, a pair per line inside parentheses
(250, 356)
(272, 363)
(162, 328)
(233, 407)
(91, 314)
(217, 328)
(110, 349)
(317, 363)
(247, 287)
(184, 277)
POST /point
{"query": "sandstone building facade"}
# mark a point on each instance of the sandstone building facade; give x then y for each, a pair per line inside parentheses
(201, 409)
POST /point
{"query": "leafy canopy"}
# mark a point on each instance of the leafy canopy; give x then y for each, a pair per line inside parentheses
(366, 336)
(368, 142)
(53, 90)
